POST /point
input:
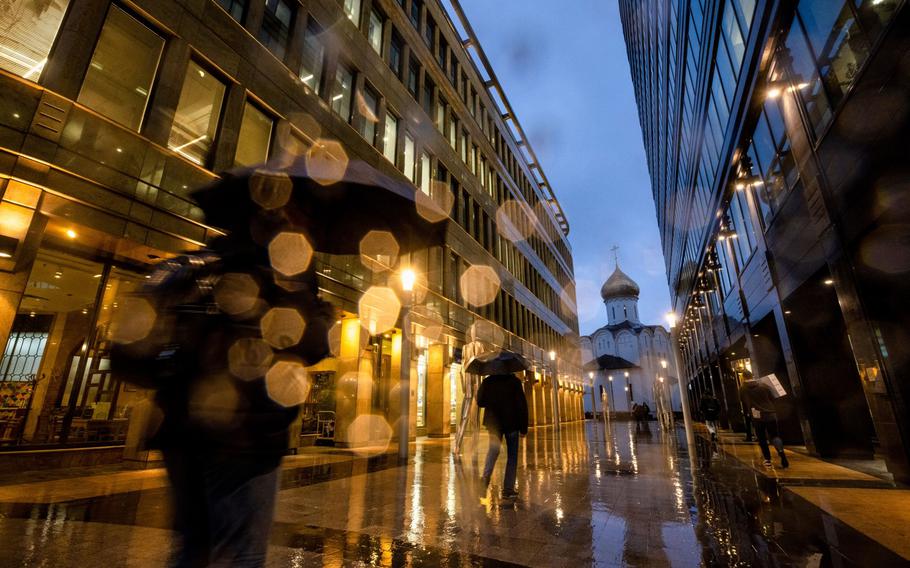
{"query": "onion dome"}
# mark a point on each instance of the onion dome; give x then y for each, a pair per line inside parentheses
(619, 285)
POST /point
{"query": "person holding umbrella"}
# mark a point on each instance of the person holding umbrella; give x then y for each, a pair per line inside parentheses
(502, 397)
(236, 324)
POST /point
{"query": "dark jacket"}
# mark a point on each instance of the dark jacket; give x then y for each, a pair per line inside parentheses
(187, 358)
(710, 407)
(504, 400)
(757, 395)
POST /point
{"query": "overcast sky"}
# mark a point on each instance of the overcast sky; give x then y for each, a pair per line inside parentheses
(563, 67)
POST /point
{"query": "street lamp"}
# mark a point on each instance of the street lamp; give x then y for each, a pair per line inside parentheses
(408, 278)
(593, 397)
(612, 404)
(629, 391)
(683, 395)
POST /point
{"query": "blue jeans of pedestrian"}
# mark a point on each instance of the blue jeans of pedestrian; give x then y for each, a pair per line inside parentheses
(508, 482)
(223, 508)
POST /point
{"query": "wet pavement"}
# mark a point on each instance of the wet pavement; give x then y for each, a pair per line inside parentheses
(592, 496)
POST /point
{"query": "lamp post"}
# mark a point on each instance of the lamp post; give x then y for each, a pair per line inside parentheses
(612, 404)
(408, 278)
(593, 398)
(628, 391)
(683, 396)
(556, 415)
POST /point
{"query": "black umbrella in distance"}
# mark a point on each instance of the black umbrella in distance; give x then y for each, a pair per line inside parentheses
(498, 363)
(333, 200)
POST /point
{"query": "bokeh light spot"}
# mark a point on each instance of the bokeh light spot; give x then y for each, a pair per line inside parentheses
(369, 434)
(514, 221)
(326, 161)
(479, 285)
(236, 293)
(438, 205)
(282, 327)
(270, 189)
(249, 358)
(378, 309)
(379, 250)
(287, 383)
(290, 253)
(133, 320)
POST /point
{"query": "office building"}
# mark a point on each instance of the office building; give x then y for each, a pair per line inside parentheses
(776, 137)
(114, 111)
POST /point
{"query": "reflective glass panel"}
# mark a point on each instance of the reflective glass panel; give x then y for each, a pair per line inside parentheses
(197, 114)
(375, 31)
(368, 105)
(390, 137)
(313, 58)
(27, 32)
(254, 138)
(352, 9)
(122, 69)
(341, 93)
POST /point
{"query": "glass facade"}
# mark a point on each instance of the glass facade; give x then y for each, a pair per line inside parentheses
(276, 26)
(255, 137)
(341, 92)
(123, 68)
(313, 58)
(390, 138)
(196, 118)
(27, 33)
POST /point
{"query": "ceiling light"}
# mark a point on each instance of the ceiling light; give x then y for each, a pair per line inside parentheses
(71, 233)
(829, 282)
(337, 97)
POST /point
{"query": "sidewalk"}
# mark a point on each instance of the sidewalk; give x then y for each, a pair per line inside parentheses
(854, 498)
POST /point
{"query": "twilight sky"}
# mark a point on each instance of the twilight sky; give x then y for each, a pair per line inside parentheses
(563, 67)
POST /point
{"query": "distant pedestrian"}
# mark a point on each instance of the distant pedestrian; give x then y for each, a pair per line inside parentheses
(710, 411)
(758, 399)
(505, 416)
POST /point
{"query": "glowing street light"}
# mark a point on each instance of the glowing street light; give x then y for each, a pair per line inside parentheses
(663, 363)
(552, 355)
(408, 278)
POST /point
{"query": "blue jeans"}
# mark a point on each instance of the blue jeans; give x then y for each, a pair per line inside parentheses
(222, 508)
(508, 482)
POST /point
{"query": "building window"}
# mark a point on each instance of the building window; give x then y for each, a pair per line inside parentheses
(313, 58)
(254, 138)
(390, 137)
(429, 33)
(276, 26)
(368, 105)
(443, 55)
(804, 79)
(197, 114)
(352, 9)
(415, 13)
(837, 41)
(413, 76)
(236, 8)
(27, 32)
(464, 146)
(122, 70)
(410, 155)
(425, 173)
(396, 48)
(341, 93)
(374, 33)
(428, 91)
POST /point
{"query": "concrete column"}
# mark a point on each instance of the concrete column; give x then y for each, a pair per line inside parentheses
(529, 399)
(438, 393)
(78, 34)
(353, 387)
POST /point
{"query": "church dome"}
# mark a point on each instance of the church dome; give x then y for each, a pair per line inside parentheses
(619, 285)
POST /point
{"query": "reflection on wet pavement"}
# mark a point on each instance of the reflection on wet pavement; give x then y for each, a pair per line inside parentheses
(590, 496)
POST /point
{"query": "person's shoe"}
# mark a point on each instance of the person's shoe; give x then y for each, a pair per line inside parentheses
(784, 462)
(768, 464)
(508, 499)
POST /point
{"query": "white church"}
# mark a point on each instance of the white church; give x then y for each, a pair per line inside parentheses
(632, 361)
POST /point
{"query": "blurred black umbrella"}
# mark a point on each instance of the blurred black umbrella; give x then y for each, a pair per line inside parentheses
(498, 363)
(333, 200)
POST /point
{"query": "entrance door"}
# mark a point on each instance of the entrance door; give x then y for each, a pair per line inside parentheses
(834, 401)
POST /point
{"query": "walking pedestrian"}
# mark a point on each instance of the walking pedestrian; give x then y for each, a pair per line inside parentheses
(224, 431)
(710, 411)
(505, 416)
(758, 398)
